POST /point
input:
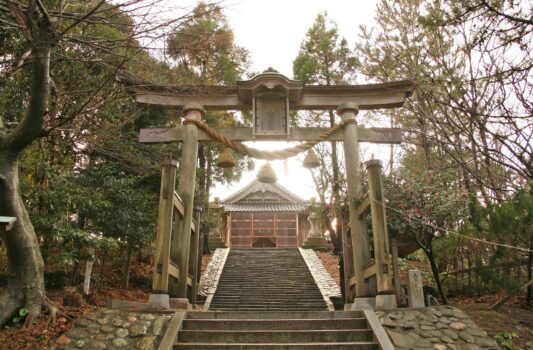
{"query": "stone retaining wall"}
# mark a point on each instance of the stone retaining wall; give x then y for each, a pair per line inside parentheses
(323, 279)
(207, 285)
(434, 328)
(108, 329)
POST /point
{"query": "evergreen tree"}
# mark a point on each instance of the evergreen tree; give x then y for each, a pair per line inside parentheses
(325, 59)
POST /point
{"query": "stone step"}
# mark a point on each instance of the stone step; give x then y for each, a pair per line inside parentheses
(287, 324)
(281, 303)
(235, 306)
(284, 346)
(255, 307)
(273, 337)
(268, 297)
(322, 315)
(251, 280)
(318, 302)
(273, 308)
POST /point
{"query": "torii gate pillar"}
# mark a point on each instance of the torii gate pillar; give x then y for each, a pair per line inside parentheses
(359, 234)
(186, 186)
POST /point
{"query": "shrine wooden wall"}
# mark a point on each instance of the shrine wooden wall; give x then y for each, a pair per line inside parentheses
(264, 230)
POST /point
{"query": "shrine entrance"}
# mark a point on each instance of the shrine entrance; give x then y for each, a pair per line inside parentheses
(270, 96)
(263, 243)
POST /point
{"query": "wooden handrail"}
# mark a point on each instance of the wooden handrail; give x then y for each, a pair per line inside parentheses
(369, 270)
(363, 207)
(178, 203)
(180, 208)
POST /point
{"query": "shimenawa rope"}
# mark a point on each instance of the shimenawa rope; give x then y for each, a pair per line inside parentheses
(268, 155)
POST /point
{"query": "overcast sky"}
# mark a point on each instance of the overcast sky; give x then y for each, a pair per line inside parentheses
(273, 30)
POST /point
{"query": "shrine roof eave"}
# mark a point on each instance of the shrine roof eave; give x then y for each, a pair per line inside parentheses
(258, 186)
(266, 207)
(314, 97)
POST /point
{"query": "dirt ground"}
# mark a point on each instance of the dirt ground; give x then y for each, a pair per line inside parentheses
(514, 317)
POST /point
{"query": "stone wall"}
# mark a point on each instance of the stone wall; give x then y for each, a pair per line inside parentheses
(323, 279)
(435, 328)
(108, 329)
(208, 283)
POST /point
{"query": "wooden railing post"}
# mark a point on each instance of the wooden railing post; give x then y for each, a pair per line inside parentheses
(360, 241)
(386, 296)
(186, 188)
(164, 227)
(195, 249)
(347, 260)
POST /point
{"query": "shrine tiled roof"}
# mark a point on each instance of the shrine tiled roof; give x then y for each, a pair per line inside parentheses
(249, 199)
(258, 186)
(261, 207)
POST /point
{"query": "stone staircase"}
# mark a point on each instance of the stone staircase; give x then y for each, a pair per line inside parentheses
(257, 330)
(267, 279)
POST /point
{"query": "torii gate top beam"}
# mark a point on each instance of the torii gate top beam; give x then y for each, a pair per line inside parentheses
(301, 96)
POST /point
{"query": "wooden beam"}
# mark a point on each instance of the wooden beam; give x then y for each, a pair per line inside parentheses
(364, 206)
(312, 97)
(169, 99)
(317, 101)
(370, 270)
(173, 270)
(312, 101)
(177, 134)
(351, 280)
(178, 203)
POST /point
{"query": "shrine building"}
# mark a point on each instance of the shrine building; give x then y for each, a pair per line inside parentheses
(263, 215)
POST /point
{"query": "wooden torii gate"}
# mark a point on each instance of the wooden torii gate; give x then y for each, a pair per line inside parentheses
(270, 96)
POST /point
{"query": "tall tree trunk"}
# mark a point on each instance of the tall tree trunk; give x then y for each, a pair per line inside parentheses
(529, 298)
(208, 181)
(103, 261)
(435, 270)
(336, 191)
(202, 178)
(25, 284)
(127, 267)
(25, 263)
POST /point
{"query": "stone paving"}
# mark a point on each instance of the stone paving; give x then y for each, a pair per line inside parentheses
(435, 328)
(108, 329)
(207, 285)
(323, 279)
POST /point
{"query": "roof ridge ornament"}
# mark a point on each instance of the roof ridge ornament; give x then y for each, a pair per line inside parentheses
(266, 174)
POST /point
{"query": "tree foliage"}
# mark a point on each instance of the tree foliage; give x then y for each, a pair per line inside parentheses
(54, 127)
(467, 116)
(325, 59)
(425, 206)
